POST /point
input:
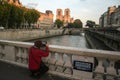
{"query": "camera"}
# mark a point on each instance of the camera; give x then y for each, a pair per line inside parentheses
(44, 43)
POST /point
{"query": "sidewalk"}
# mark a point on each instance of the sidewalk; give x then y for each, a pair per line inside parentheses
(12, 72)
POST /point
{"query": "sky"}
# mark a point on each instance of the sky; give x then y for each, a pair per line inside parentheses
(80, 9)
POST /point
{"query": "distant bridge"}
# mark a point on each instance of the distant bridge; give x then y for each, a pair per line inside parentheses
(73, 31)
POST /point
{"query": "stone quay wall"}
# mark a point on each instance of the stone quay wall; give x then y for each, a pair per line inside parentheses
(110, 37)
(28, 34)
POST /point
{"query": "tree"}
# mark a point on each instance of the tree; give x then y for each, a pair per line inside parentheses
(16, 17)
(59, 23)
(20, 17)
(70, 25)
(90, 23)
(4, 13)
(31, 16)
(12, 16)
(77, 23)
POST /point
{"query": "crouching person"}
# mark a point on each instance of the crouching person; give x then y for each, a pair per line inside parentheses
(36, 52)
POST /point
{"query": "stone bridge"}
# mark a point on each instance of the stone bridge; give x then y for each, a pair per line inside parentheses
(73, 31)
(68, 62)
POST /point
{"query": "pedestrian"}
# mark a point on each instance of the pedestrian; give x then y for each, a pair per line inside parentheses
(36, 65)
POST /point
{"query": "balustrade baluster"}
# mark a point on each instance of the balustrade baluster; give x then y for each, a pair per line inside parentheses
(68, 64)
(18, 54)
(119, 74)
(52, 61)
(60, 62)
(0, 51)
(24, 55)
(46, 59)
(99, 70)
(2, 54)
(111, 72)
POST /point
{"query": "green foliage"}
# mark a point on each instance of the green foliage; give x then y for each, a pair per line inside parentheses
(59, 23)
(77, 24)
(12, 16)
(16, 17)
(31, 16)
(4, 13)
(19, 17)
(70, 25)
(90, 23)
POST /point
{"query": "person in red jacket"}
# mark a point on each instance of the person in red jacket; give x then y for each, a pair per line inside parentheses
(36, 66)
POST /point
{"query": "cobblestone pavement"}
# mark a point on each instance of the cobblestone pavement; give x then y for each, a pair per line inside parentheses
(12, 72)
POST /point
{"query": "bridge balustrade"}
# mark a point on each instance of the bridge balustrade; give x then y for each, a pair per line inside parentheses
(75, 63)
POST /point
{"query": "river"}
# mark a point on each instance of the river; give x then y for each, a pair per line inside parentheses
(78, 41)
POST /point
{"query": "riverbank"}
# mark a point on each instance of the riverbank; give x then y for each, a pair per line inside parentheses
(28, 34)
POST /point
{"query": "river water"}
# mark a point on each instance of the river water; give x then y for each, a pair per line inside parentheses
(78, 41)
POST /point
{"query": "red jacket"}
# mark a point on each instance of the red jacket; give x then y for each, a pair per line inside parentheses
(35, 56)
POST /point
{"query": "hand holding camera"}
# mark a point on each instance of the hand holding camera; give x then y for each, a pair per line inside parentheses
(43, 46)
(44, 43)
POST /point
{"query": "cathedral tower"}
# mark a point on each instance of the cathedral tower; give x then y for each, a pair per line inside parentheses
(67, 16)
(59, 14)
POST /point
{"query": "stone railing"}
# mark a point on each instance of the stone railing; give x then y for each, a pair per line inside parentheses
(75, 63)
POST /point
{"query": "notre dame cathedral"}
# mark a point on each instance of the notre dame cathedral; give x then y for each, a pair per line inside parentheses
(66, 18)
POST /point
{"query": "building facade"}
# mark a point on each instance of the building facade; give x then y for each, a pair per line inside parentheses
(45, 20)
(59, 14)
(66, 18)
(111, 17)
(115, 17)
(15, 2)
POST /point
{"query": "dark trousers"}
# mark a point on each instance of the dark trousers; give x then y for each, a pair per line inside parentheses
(41, 71)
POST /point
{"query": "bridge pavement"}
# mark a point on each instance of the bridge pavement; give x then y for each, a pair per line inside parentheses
(12, 72)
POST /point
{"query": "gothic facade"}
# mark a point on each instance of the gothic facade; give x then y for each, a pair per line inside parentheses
(66, 18)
